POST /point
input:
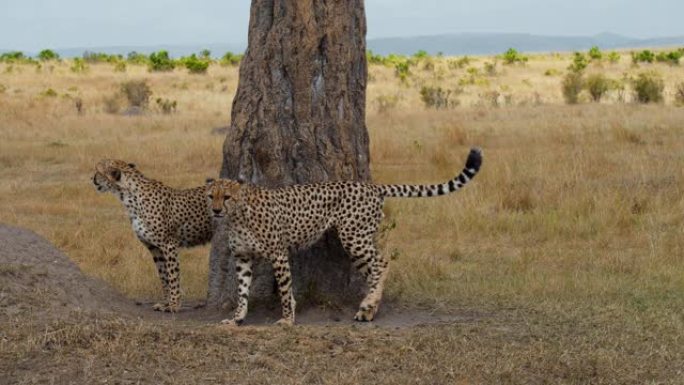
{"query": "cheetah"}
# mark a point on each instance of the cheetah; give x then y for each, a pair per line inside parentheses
(270, 222)
(164, 219)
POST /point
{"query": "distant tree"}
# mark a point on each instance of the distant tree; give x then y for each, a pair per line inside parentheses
(48, 54)
(160, 62)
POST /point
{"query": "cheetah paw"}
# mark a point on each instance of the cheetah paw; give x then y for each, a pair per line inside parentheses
(285, 322)
(165, 307)
(232, 322)
(364, 315)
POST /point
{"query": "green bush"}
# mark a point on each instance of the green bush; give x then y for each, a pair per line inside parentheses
(160, 62)
(672, 57)
(49, 93)
(100, 57)
(573, 82)
(230, 59)
(372, 58)
(579, 62)
(78, 66)
(402, 70)
(595, 53)
(137, 58)
(205, 54)
(120, 66)
(12, 56)
(648, 87)
(613, 57)
(597, 85)
(421, 54)
(645, 56)
(137, 92)
(196, 65)
(512, 56)
(48, 54)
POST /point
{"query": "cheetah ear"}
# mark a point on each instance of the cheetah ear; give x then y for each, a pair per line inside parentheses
(131, 165)
(240, 179)
(116, 174)
(210, 180)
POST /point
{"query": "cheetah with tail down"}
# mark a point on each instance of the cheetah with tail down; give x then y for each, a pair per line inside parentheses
(270, 222)
(163, 218)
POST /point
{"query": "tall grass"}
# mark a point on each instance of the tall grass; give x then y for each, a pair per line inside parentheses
(574, 204)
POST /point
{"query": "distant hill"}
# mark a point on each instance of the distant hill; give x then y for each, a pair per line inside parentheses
(448, 44)
(493, 43)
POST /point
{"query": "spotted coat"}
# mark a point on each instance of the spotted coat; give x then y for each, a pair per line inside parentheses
(270, 222)
(164, 219)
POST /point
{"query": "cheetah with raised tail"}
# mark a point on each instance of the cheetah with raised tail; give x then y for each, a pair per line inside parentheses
(269, 222)
(163, 218)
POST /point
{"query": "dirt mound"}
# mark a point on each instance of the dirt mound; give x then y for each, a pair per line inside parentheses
(35, 277)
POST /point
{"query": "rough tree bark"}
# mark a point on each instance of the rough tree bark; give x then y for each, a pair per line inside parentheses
(298, 117)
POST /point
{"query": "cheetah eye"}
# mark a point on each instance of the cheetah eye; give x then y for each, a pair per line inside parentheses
(211, 196)
(226, 197)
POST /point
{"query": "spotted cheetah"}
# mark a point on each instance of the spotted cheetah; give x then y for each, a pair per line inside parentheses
(270, 222)
(163, 218)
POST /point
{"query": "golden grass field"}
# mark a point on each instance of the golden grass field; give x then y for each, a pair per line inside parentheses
(571, 239)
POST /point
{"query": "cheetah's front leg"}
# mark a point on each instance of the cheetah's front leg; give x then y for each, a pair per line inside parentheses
(160, 263)
(172, 268)
(281, 268)
(243, 272)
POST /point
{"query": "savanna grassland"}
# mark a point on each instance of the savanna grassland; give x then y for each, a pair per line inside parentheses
(566, 252)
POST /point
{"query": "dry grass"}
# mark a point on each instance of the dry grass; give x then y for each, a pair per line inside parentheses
(577, 220)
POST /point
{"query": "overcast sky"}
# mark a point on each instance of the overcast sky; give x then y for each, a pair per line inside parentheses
(35, 24)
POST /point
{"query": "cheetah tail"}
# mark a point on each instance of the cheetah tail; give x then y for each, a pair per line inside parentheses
(471, 168)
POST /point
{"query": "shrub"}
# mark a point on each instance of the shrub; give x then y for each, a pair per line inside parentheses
(421, 54)
(645, 56)
(230, 59)
(160, 62)
(679, 94)
(137, 92)
(490, 68)
(49, 93)
(120, 66)
(438, 98)
(648, 87)
(402, 70)
(597, 85)
(669, 57)
(12, 56)
(205, 54)
(136, 58)
(3, 88)
(595, 53)
(48, 54)
(459, 63)
(196, 65)
(579, 62)
(166, 106)
(573, 83)
(372, 58)
(78, 66)
(100, 57)
(613, 57)
(551, 72)
(512, 56)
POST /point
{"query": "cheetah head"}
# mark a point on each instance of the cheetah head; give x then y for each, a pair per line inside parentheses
(111, 175)
(222, 195)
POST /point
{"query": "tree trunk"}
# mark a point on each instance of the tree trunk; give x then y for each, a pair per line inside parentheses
(298, 117)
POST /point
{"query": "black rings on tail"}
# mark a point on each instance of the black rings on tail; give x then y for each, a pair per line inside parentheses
(472, 167)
